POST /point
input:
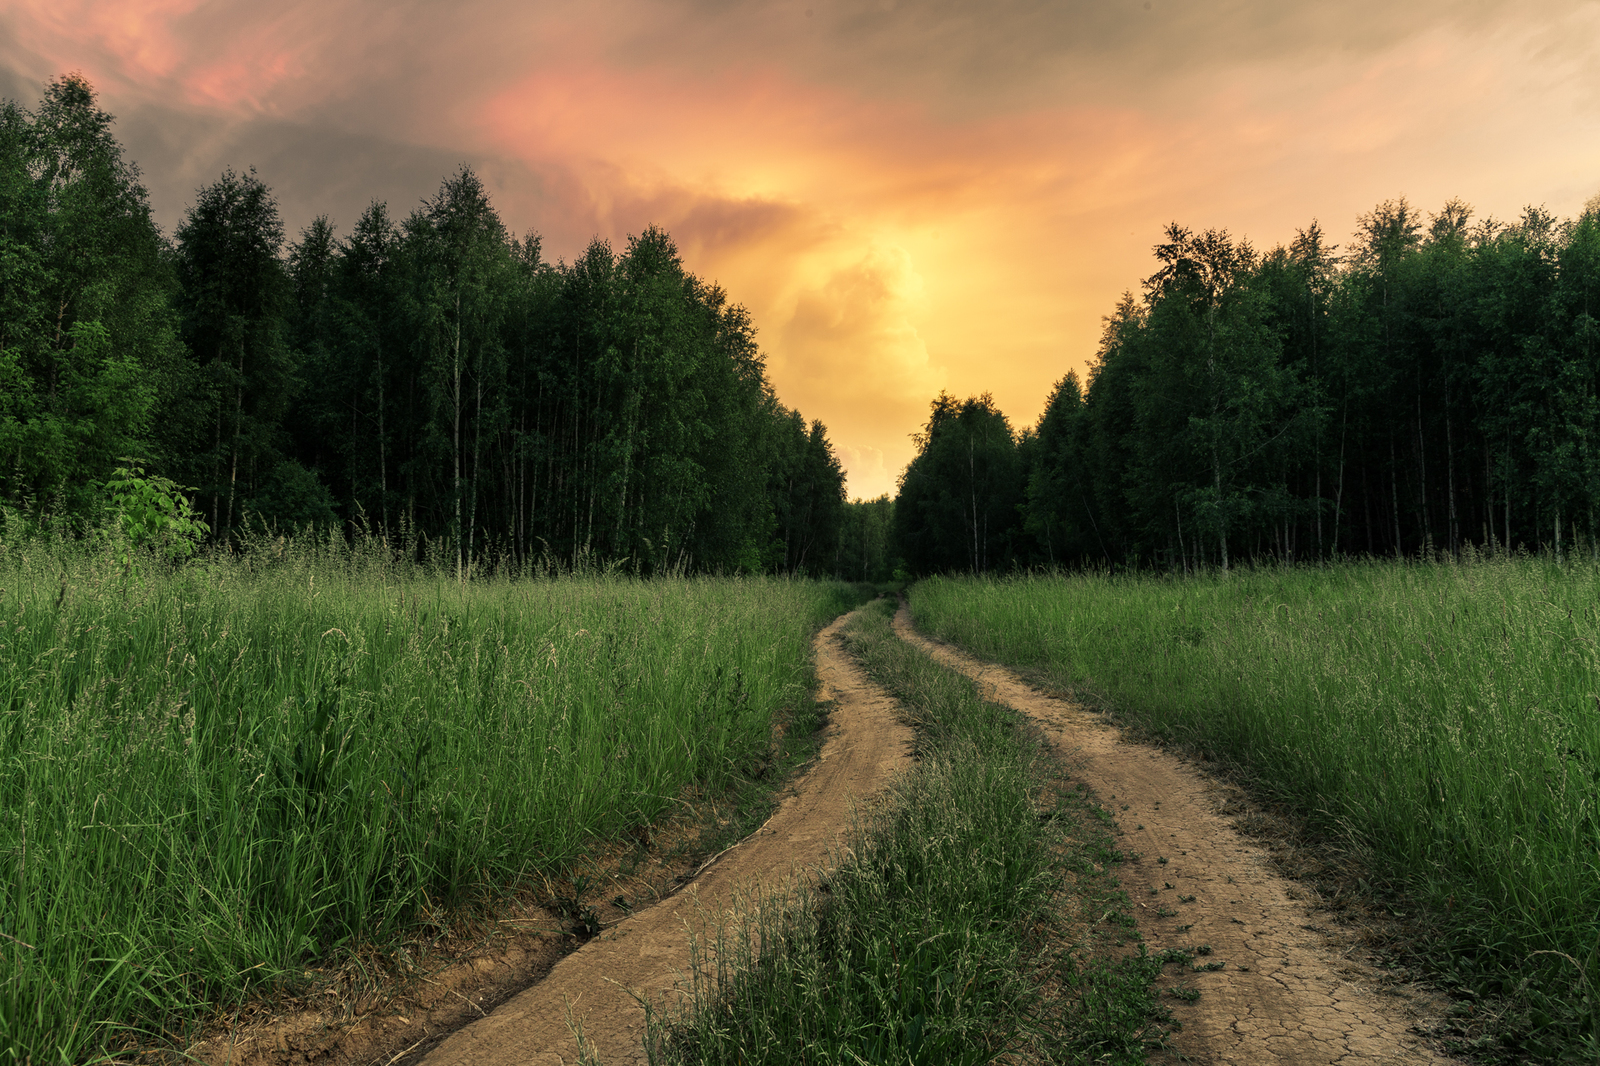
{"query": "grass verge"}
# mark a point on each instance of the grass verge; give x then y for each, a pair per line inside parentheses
(215, 779)
(972, 918)
(405, 996)
(1438, 722)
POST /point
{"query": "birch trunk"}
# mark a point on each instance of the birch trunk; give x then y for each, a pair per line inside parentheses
(1422, 478)
(477, 473)
(216, 464)
(383, 457)
(1222, 521)
(1450, 471)
(1338, 493)
(1507, 487)
(972, 490)
(1182, 552)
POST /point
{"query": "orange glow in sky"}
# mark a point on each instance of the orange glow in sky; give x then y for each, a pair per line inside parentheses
(909, 197)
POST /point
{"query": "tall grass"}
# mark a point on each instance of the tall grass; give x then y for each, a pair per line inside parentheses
(209, 777)
(1444, 719)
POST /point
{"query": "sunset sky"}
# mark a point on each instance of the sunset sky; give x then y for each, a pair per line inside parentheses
(909, 197)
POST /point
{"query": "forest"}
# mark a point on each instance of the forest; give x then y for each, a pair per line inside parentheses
(429, 379)
(1428, 388)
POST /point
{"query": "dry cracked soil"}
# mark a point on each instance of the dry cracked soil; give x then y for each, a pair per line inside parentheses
(1288, 992)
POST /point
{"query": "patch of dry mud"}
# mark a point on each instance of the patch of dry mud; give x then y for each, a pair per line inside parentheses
(646, 954)
(1289, 993)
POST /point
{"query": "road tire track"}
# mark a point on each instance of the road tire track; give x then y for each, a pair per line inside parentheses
(646, 955)
(1288, 994)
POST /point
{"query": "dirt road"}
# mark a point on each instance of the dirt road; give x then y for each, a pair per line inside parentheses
(1286, 993)
(647, 953)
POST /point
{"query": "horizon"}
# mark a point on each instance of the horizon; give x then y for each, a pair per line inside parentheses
(907, 201)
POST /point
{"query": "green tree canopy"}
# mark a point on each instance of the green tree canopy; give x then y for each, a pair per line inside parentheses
(86, 332)
(957, 509)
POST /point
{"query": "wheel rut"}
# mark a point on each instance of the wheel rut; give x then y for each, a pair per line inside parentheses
(1288, 994)
(646, 955)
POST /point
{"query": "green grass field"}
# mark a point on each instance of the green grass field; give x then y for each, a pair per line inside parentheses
(212, 777)
(1442, 721)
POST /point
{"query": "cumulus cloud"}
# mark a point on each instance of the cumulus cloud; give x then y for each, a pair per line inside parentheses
(868, 476)
(850, 346)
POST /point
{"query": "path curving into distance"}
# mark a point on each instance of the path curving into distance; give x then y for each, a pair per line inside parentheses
(1286, 995)
(648, 953)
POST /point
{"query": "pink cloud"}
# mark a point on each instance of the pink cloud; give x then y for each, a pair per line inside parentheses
(136, 36)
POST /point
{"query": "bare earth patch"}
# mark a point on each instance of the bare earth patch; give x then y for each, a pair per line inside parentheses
(388, 1008)
(1288, 991)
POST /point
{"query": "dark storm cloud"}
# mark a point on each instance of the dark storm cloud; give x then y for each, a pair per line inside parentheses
(311, 169)
(337, 103)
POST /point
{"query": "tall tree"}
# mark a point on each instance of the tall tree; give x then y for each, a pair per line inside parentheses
(86, 335)
(466, 392)
(462, 262)
(957, 508)
(1216, 352)
(1058, 514)
(864, 552)
(235, 300)
(808, 496)
(348, 327)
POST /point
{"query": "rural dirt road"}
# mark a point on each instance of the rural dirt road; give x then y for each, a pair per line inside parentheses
(648, 953)
(1287, 994)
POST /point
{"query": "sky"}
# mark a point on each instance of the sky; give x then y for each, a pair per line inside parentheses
(908, 197)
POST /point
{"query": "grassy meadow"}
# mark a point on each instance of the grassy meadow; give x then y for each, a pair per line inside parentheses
(212, 775)
(1441, 721)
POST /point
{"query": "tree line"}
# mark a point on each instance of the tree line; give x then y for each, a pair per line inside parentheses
(1429, 389)
(430, 379)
